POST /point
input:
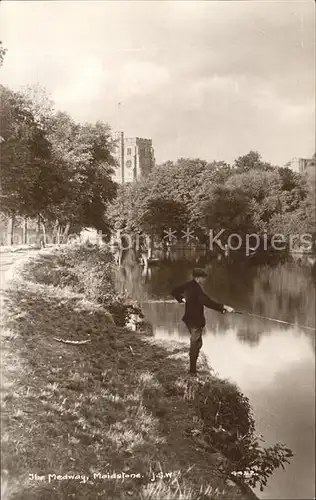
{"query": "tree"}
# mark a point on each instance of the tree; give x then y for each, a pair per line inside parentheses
(185, 182)
(214, 174)
(252, 196)
(2, 53)
(31, 183)
(160, 214)
(24, 158)
(86, 153)
(126, 210)
(52, 168)
(228, 209)
(271, 191)
(251, 160)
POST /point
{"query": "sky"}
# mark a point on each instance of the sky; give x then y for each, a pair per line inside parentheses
(209, 80)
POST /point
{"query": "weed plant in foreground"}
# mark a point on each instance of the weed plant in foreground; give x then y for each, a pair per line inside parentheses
(121, 403)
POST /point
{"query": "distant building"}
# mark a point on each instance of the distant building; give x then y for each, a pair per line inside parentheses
(135, 158)
(303, 166)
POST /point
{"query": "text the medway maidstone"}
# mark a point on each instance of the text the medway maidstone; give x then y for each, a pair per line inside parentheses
(114, 475)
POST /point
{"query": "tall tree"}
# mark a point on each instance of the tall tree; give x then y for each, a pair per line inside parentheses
(228, 209)
(53, 168)
(2, 53)
(160, 214)
(30, 181)
(250, 161)
(86, 153)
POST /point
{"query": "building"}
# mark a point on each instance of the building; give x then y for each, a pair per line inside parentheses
(134, 156)
(303, 166)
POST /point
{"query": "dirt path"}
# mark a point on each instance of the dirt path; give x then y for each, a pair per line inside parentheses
(10, 261)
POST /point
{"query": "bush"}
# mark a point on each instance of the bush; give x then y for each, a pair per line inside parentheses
(85, 269)
(229, 425)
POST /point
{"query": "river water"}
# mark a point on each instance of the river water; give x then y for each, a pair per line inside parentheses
(273, 364)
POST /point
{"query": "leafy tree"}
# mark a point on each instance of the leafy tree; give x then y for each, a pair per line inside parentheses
(214, 174)
(301, 220)
(52, 168)
(228, 209)
(272, 192)
(26, 163)
(2, 53)
(86, 153)
(288, 179)
(161, 214)
(251, 196)
(130, 206)
(251, 160)
(167, 182)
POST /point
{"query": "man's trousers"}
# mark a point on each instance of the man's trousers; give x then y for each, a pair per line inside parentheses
(195, 345)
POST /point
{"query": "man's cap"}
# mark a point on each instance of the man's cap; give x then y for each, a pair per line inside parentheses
(199, 273)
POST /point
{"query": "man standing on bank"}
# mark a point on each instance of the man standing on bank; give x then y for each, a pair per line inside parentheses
(195, 299)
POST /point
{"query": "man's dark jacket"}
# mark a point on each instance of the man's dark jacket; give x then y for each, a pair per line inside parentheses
(195, 300)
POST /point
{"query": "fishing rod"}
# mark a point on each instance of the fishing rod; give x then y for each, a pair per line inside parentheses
(245, 313)
(275, 320)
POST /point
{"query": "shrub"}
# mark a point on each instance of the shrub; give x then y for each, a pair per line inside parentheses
(85, 269)
(229, 425)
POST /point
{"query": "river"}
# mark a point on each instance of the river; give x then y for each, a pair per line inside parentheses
(273, 364)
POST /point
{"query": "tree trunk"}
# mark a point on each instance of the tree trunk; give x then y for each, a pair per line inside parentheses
(149, 246)
(44, 234)
(65, 233)
(11, 223)
(38, 231)
(55, 231)
(25, 231)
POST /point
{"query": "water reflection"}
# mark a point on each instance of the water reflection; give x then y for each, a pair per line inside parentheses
(283, 291)
(273, 364)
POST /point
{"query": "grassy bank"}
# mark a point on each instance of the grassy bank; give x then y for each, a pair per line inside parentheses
(120, 403)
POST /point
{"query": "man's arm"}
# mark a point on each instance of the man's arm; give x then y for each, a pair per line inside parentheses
(211, 304)
(178, 293)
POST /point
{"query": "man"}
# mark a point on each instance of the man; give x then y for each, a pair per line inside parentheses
(195, 299)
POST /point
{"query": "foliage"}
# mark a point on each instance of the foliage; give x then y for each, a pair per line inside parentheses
(251, 196)
(86, 270)
(251, 161)
(2, 53)
(30, 181)
(52, 167)
(228, 209)
(86, 153)
(229, 425)
(258, 464)
(272, 192)
(178, 188)
(160, 213)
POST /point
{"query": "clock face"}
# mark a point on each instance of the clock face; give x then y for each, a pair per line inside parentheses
(128, 163)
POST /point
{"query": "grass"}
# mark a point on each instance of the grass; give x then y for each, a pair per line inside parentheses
(121, 403)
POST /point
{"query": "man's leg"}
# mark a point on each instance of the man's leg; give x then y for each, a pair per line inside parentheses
(195, 346)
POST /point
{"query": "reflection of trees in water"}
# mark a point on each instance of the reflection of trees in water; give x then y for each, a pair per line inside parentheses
(311, 337)
(229, 283)
(166, 276)
(131, 279)
(284, 291)
(248, 335)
